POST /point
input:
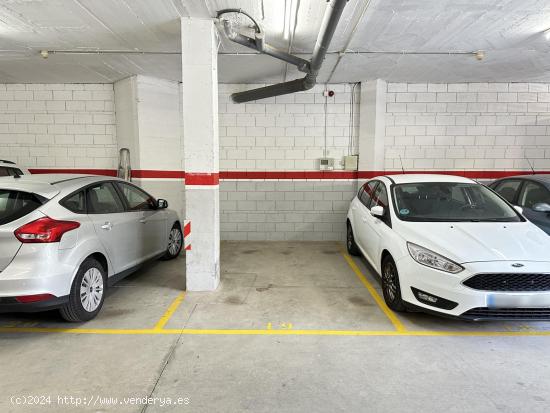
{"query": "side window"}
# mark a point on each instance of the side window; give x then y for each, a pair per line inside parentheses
(380, 197)
(366, 195)
(137, 199)
(103, 199)
(508, 190)
(532, 194)
(4, 171)
(75, 203)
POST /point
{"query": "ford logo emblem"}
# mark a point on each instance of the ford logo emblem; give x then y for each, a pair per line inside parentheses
(517, 265)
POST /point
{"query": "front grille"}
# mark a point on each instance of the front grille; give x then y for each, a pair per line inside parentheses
(509, 282)
(508, 313)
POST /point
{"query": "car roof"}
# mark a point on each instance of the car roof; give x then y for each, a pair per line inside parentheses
(7, 163)
(49, 185)
(542, 178)
(415, 178)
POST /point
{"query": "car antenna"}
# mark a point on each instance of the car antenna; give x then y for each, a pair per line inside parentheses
(531, 166)
(402, 168)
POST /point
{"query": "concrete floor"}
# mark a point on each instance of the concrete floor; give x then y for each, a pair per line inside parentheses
(291, 328)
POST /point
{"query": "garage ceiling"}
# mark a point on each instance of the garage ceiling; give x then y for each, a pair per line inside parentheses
(512, 34)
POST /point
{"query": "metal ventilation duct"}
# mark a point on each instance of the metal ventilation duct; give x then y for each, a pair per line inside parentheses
(330, 21)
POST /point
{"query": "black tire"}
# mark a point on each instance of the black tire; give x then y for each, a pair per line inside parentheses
(175, 243)
(75, 310)
(390, 285)
(352, 247)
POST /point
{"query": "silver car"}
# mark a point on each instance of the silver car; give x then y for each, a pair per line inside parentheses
(65, 238)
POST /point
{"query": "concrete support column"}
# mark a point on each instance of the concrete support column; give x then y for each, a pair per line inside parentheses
(149, 125)
(372, 126)
(201, 151)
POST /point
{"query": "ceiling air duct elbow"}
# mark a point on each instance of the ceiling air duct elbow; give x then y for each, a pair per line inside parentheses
(331, 18)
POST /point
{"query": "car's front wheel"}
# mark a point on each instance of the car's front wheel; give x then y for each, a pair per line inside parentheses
(87, 292)
(175, 242)
(390, 285)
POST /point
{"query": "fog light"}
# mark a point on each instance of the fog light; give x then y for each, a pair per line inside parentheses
(426, 297)
(433, 300)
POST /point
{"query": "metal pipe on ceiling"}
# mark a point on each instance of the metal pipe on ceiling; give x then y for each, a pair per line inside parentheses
(292, 59)
(331, 18)
(365, 52)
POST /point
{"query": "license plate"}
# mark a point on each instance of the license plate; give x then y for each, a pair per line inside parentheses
(518, 300)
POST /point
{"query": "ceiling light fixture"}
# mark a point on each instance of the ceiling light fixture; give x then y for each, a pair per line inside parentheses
(480, 55)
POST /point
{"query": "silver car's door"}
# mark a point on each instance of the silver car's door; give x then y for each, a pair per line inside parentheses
(116, 229)
(152, 221)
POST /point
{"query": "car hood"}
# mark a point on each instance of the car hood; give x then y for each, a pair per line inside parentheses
(465, 242)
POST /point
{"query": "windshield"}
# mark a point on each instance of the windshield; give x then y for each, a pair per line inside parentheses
(450, 202)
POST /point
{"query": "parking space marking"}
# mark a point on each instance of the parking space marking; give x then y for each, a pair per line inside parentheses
(385, 309)
(259, 332)
(170, 311)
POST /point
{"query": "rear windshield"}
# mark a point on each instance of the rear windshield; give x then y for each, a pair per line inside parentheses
(450, 202)
(17, 204)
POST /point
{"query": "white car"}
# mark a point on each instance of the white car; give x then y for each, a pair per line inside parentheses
(449, 245)
(9, 168)
(65, 238)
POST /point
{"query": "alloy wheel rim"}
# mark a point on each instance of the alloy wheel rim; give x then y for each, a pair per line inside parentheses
(390, 281)
(91, 289)
(174, 241)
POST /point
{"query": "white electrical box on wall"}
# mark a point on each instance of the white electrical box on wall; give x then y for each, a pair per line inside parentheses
(326, 164)
(351, 162)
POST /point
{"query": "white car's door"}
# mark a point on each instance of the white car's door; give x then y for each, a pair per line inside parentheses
(116, 229)
(362, 217)
(378, 227)
(152, 221)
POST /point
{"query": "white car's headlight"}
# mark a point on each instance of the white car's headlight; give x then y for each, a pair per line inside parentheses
(430, 259)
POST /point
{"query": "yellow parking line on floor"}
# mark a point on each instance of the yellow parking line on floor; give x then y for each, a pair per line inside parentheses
(230, 332)
(389, 313)
(170, 311)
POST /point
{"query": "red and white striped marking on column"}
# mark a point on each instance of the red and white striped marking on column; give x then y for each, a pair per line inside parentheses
(187, 234)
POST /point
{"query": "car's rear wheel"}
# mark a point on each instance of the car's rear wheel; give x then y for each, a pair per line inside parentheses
(175, 242)
(352, 247)
(87, 292)
(390, 285)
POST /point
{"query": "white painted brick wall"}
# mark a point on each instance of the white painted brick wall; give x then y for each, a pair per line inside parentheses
(58, 125)
(467, 126)
(285, 132)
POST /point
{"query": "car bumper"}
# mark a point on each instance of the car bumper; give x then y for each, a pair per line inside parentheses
(468, 303)
(36, 269)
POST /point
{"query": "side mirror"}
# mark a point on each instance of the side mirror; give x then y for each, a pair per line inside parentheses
(519, 209)
(162, 203)
(377, 211)
(541, 207)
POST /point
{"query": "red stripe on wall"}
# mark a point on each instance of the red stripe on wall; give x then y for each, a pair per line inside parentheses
(213, 178)
(251, 175)
(195, 178)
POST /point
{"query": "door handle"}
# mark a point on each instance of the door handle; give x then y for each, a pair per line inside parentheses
(143, 220)
(364, 219)
(107, 226)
